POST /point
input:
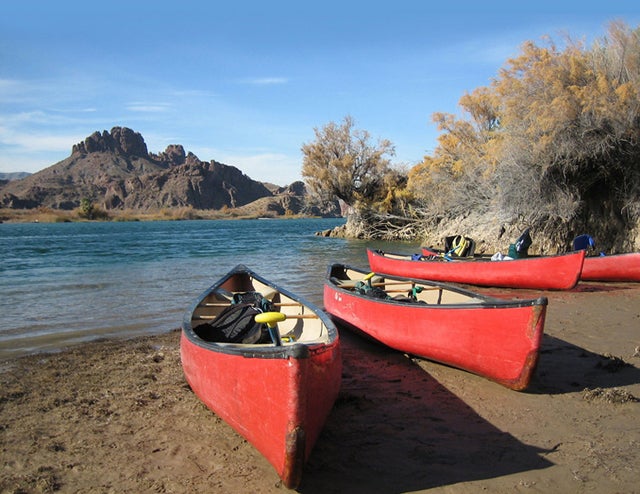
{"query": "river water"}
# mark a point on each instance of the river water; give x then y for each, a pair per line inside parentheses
(67, 283)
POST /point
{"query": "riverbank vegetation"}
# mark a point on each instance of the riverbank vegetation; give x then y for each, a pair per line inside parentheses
(49, 215)
(552, 144)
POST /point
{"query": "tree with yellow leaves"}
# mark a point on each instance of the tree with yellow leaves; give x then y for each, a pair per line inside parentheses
(554, 141)
(342, 163)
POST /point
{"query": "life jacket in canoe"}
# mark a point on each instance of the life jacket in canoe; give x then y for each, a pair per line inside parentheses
(459, 246)
(236, 323)
(367, 289)
(364, 288)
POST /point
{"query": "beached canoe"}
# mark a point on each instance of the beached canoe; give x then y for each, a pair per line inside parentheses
(274, 382)
(615, 267)
(558, 272)
(494, 338)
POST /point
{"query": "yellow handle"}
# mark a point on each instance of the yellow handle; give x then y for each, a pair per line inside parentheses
(369, 276)
(270, 318)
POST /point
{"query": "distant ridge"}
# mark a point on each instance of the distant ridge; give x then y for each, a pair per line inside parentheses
(13, 176)
(115, 171)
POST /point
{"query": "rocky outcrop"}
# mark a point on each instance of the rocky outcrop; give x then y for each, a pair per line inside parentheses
(115, 171)
(174, 155)
(120, 140)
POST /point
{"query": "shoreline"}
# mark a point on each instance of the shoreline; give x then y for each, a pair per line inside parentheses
(48, 215)
(118, 416)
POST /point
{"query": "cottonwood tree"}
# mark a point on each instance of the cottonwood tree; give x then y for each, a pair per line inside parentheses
(343, 163)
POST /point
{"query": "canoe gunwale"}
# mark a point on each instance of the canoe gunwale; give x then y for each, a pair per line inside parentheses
(428, 251)
(488, 302)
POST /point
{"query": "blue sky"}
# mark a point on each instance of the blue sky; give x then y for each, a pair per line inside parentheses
(245, 83)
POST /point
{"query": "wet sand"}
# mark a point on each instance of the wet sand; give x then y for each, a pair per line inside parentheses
(118, 416)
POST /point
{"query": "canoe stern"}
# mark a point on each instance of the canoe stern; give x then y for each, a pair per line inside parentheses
(535, 331)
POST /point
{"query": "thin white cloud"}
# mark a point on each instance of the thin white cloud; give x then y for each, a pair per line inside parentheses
(55, 122)
(73, 110)
(36, 142)
(9, 85)
(148, 107)
(14, 92)
(265, 81)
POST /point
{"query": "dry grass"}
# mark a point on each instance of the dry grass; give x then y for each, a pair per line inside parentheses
(41, 215)
(47, 215)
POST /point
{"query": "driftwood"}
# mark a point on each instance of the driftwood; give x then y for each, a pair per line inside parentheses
(387, 227)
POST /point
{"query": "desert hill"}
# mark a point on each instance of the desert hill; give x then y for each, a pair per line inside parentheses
(116, 171)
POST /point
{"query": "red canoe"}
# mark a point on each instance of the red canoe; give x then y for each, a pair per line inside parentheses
(559, 272)
(494, 338)
(277, 395)
(616, 267)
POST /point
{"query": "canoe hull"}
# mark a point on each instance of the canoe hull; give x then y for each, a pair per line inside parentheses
(277, 404)
(499, 341)
(277, 398)
(616, 267)
(560, 272)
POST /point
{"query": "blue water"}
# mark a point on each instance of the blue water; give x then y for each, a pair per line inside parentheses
(66, 283)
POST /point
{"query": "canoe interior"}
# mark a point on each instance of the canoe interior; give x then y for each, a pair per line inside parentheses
(433, 255)
(439, 257)
(431, 293)
(302, 324)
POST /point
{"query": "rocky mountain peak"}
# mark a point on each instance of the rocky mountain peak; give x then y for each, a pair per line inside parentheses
(121, 140)
(174, 155)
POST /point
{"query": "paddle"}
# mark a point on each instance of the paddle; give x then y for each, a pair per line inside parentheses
(271, 319)
(368, 278)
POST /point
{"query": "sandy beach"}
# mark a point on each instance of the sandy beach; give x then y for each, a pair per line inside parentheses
(118, 416)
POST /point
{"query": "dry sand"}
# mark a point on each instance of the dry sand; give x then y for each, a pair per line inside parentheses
(119, 417)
